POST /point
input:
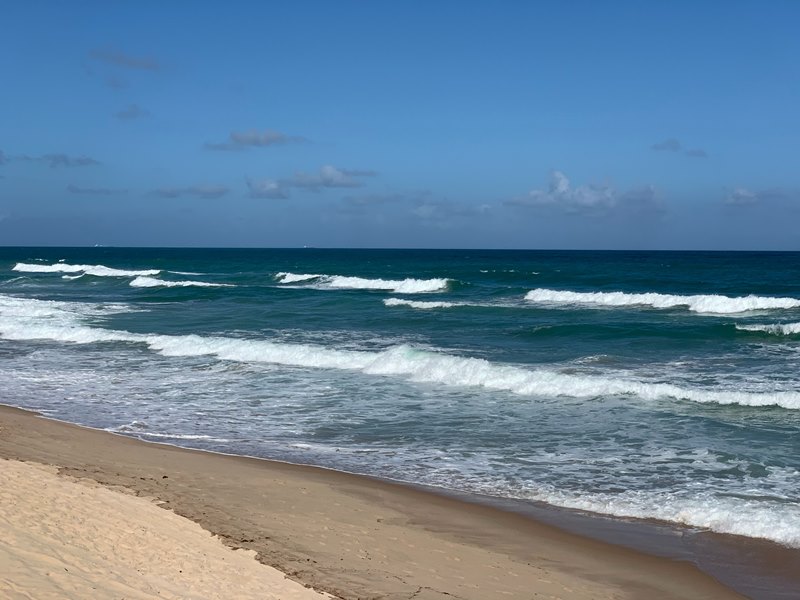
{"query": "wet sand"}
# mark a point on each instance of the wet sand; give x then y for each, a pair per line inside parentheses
(351, 536)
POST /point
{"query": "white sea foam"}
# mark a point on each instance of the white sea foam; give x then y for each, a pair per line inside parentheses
(96, 270)
(775, 328)
(148, 282)
(712, 304)
(399, 286)
(404, 286)
(418, 304)
(751, 517)
(35, 319)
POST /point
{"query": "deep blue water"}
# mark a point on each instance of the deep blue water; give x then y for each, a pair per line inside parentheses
(643, 384)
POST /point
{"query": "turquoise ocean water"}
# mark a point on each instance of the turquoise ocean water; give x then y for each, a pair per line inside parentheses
(652, 385)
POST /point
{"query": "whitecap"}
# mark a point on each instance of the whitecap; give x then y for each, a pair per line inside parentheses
(701, 303)
(774, 328)
(399, 286)
(418, 304)
(96, 270)
(295, 277)
(149, 282)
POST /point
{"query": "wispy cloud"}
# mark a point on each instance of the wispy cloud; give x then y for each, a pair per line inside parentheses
(328, 177)
(95, 191)
(696, 153)
(668, 145)
(134, 111)
(58, 160)
(589, 198)
(126, 61)
(674, 145)
(2, 157)
(741, 196)
(443, 211)
(196, 191)
(241, 140)
(266, 188)
(115, 83)
(365, 200)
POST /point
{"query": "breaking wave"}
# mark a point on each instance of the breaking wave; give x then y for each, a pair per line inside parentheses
(418, 304)
(710, 304)
(36, 319)
(149, 282)
(96, 270)
(296, 277)
(401, 286)
(775, 328)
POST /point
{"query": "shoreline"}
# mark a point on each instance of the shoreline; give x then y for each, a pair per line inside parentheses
(355, 536)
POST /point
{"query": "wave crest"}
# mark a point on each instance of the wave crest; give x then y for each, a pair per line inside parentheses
(149, 282)
(96, 270)
(701, 303)
(418, 304)
(775, 328)
(399, 286)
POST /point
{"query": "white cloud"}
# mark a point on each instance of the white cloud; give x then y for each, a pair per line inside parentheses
(741, 196)
(328, 177)
(561, 193)
(588, 198)
(266, 188)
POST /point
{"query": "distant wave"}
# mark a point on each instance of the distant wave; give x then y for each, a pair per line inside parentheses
(148, 282)
(775, 328)
(418, 304)
(96, 270)
(22, 319)
(712, 304)
(402, 286)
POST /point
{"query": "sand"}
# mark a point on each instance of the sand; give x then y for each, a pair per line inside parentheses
(350, 536)
(65, 539)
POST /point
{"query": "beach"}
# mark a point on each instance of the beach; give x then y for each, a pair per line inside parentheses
(346, 535)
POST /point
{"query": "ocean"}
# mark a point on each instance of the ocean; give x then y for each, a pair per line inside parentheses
(661, 386)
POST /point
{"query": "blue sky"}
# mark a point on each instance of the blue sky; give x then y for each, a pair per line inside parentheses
(401, 124)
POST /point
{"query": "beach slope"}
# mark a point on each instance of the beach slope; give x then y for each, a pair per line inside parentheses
(350, 536)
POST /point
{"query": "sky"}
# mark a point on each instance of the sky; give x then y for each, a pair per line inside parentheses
(415, 124)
